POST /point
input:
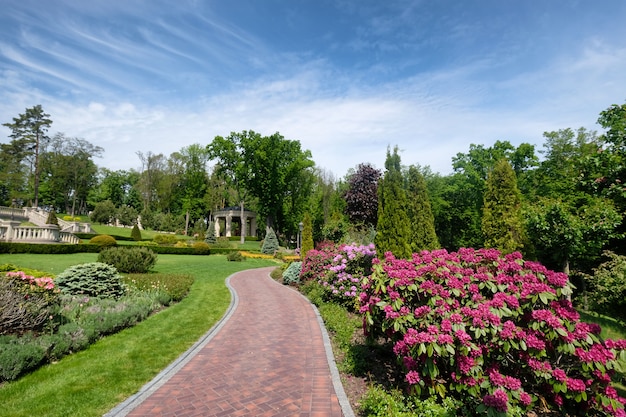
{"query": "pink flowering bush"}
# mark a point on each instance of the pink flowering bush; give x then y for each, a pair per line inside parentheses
(340, 270)
(495, 332)
(26, 302)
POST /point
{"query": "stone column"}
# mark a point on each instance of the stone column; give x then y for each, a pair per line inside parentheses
(229, 219)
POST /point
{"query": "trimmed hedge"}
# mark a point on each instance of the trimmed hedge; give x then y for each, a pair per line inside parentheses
(248, 238)
(54, 249)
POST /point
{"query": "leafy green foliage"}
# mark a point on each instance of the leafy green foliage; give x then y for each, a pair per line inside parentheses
(502, 223)
(272, 169)
(135, 234)
(104, 241)
(607, 287)
(270, 243)
(379, 402)
(164, 239)
(130, 259)
(95, 279)
(235, 256)
(393, 231)
(202, 248)
(291, 275)
(104, 212)
(127, 215)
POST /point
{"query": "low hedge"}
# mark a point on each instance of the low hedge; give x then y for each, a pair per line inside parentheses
(247, 238)
(50, 249)
(54, 249)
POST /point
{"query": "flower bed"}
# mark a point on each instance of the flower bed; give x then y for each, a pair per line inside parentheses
(496, 332)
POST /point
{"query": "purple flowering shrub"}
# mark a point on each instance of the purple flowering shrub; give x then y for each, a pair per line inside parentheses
(496, 332)
(340, 270)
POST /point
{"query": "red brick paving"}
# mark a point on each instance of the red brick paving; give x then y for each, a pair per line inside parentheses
(267, 360)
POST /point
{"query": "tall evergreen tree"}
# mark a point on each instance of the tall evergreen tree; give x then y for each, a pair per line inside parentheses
(393, 228)
(307, 235)
(423, 234)
(31, 128)
(502, 223)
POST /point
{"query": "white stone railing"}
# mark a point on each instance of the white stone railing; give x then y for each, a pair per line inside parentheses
(13, 214)
(39, 218)
(11, 231)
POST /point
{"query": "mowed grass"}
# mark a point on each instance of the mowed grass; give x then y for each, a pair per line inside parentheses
(92, 382)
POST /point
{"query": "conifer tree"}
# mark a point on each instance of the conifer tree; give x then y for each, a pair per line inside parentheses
(423, 236)
(307, 235)
(502, 224)
(52, 218)
(135, 234)
(270, 243)
(393, 228)
(210, 234)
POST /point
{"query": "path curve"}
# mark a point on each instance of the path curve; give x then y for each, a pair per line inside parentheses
(269, 356)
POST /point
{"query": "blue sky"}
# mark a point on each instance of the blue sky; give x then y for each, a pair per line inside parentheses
(345, 78)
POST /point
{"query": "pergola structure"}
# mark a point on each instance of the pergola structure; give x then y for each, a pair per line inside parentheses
(228, 222)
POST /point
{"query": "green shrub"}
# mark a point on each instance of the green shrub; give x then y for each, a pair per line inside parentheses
(177, 286)
(377, 402)
(163, 239)
(607, 287)
(135, 233)
(94, 279)
(210, 234)
(235, 257)
(17, 358)
(277, 273)
(133, 259)
(181, 244)
(147, 243)
(314, 292)
(26, 302)
(270, 243)
(222, 243)
(291, 276)
(202, 248)
(42, 248)
(104, 241)
(52, 218)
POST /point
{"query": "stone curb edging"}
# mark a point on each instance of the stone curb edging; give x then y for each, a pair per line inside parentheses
(162, 377)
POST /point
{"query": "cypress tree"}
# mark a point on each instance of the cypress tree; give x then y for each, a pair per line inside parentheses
(52, 218)
(307, 235)
(502, 224)
(393, 228)
(423, 236)
(135, 234)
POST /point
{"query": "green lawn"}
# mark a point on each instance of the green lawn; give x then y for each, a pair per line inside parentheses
(91, 382)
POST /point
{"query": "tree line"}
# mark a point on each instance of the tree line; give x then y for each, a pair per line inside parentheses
(562, 204)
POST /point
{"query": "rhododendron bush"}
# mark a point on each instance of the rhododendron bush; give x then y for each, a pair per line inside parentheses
(340, 270)
(496, 332)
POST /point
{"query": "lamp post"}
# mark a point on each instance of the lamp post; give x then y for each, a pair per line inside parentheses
(299, 243)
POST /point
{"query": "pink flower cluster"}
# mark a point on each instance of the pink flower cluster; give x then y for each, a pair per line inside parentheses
(45, 283)
(343, 270)
(494, 328)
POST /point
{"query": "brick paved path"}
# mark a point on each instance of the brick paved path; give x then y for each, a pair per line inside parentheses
(268, 359)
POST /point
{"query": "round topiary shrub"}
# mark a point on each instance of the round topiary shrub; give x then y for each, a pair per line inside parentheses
(95, 279)
(132, 260)
(291, 275)
(202, 248)
(163, 239)
(104, 241)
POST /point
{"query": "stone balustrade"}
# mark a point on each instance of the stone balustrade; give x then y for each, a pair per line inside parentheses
(11, 231)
